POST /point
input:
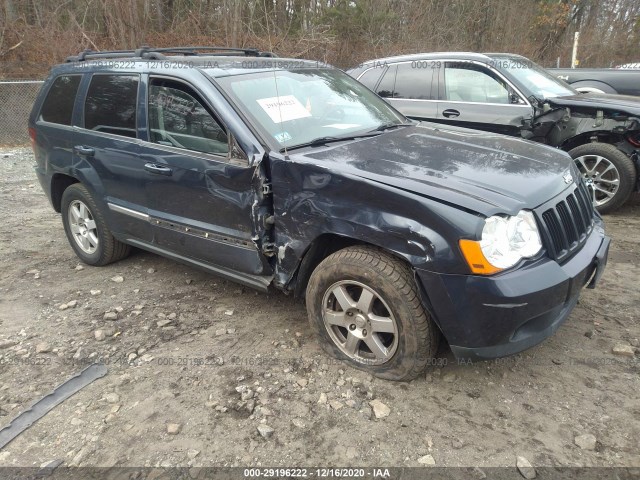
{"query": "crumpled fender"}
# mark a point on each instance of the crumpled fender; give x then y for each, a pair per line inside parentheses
(310, 201)
(558, 125)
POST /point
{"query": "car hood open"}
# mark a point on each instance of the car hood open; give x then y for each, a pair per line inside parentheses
(479, 171)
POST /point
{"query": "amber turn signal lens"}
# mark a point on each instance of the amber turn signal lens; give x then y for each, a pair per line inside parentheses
(475, 258)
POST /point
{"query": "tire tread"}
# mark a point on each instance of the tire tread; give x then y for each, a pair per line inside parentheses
(403, 280)
(622, 162)
(113, 249)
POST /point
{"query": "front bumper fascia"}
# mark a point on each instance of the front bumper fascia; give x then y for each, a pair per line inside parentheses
(485, 317)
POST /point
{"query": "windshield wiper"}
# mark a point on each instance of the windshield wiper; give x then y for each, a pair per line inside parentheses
(320, 141)
(317, 142)
(390, 125)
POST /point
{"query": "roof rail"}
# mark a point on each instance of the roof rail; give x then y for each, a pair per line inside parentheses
(248, 52)
(151, 53)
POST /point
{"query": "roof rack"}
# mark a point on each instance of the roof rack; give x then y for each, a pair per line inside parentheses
(150, 53)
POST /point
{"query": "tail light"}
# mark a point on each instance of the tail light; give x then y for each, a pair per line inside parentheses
(32, 136)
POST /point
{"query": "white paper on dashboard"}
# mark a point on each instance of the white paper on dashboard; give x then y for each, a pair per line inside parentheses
(283, 109)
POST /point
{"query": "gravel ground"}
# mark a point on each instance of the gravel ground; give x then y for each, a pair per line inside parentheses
(203, 372)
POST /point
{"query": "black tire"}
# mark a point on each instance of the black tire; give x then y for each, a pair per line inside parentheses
(107, 248)
(397, 293)
(624, 165)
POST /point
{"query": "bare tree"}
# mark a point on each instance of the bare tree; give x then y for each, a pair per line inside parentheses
(36, 33)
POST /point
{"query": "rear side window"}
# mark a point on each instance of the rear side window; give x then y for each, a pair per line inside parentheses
(58, 106)
(110, 106)
(413, 80)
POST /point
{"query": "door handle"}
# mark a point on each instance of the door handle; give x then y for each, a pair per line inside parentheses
(451, 113)
(84, 151)
(158, 169)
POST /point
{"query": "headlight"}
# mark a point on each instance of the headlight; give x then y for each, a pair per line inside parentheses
(505, 241)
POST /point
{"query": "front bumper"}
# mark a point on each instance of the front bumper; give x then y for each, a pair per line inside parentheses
(490, 317)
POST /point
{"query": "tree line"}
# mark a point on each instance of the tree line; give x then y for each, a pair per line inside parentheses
(37, 33)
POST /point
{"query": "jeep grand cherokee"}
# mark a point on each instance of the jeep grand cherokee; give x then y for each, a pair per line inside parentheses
(290, 174)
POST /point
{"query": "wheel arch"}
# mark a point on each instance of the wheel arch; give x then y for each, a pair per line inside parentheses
(593, 86)
(319, 249)
(611, 138)
(59, 183)
(328, 243)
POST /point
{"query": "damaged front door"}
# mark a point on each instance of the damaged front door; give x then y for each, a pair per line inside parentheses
(200, 199)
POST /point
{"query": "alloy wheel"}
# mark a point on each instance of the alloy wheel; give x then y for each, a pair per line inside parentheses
(359, 322)
(601, 177)
(83, 227)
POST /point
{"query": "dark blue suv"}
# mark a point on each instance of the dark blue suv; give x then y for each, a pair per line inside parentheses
(289, 174)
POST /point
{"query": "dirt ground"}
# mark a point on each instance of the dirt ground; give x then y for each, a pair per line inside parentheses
(212, 361)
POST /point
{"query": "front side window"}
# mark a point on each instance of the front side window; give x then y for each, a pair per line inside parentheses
(110, 106)
(58, 106)
(178, 118)
(465, 82)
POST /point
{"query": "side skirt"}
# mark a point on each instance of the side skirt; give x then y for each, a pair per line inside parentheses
(261, 283)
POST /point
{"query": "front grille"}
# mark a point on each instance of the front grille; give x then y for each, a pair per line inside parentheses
(567, 222)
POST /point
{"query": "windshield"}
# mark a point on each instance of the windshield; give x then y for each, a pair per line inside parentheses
(296, 107)
(534, 78)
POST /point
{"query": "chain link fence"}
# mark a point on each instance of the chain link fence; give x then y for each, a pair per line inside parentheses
(16, 100)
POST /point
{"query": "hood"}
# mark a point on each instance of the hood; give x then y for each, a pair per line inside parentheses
(478, 171)
(623, 103)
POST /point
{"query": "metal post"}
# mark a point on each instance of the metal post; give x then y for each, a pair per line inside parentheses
(574, 54)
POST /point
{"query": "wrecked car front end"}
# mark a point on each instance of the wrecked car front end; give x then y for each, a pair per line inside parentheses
(564, 121)
(421, 192)
(601, 132)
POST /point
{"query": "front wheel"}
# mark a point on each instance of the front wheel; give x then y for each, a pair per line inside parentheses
(365, 307)
(87, 230)
(608, 172)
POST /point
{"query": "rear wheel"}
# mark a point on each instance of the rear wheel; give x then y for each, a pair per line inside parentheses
(365, 307)
(87, 229)
(609, 174)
